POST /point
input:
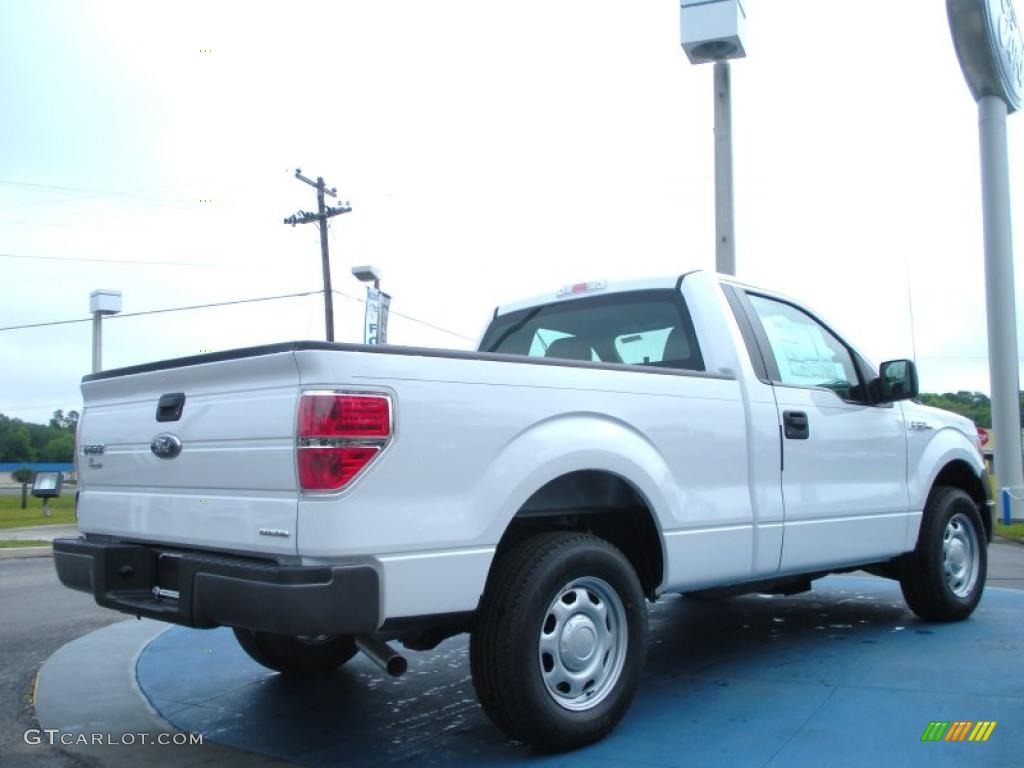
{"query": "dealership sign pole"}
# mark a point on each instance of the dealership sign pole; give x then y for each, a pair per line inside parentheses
(990, 47)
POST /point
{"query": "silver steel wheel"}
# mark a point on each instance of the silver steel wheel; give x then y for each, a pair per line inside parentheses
(960, 555)
(583, 643)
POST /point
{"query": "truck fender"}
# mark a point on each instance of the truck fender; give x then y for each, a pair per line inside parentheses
(947, 445)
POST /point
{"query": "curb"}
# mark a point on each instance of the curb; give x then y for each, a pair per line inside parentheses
(12, 553)
(44, 527)
(999, 536)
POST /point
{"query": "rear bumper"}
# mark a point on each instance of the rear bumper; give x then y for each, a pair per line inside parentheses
(206, 590)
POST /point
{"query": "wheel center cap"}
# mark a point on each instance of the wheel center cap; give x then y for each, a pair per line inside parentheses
(578, 642)
(957, 555)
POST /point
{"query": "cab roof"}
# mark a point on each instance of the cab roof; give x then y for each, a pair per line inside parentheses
(592, 288)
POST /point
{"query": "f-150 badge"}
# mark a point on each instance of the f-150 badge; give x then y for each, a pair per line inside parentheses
(92, 451)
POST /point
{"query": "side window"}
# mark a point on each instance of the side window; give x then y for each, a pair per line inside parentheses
(807, 354)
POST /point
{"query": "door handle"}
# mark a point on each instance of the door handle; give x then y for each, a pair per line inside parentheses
(796, 425)
(169, 407)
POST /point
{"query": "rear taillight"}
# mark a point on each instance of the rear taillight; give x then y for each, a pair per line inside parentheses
(344, 416)
(338, 436)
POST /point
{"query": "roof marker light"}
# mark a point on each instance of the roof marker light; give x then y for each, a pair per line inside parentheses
(578, 288)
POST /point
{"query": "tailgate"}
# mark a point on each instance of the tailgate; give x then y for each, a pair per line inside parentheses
(232, 486)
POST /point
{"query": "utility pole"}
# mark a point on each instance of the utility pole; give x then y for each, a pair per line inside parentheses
(321, 216)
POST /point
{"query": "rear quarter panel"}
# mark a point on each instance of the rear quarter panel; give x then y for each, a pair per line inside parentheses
(474, 439)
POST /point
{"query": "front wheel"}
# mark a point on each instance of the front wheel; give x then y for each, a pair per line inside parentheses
(296, 655)
(943, 578)
(560, 640)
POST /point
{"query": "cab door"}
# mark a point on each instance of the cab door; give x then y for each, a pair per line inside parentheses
(844, 458)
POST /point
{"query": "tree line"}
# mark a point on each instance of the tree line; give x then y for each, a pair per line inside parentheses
(25, 441)
(976, 406)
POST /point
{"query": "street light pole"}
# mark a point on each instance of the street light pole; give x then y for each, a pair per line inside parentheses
(97, 342)
(101, 302)
(725, 238)
(378, 304)
(715, 30)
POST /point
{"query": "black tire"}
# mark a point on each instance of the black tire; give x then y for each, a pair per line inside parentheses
(293, 655)
(534, 577)
(951, 522)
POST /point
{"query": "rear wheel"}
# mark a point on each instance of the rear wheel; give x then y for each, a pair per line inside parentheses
(943, 578)
(559, 643)
(296, 655)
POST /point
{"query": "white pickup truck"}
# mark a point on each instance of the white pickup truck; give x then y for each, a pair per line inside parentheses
(605, 445)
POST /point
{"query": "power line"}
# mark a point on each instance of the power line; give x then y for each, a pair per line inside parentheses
(122, 261)
(80, 221)
(231, 303)
(167, 309)
(152, 196)
(92, 192)
(78, 190)
(408, 317)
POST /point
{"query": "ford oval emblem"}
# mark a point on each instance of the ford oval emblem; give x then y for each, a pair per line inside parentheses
(165, 446)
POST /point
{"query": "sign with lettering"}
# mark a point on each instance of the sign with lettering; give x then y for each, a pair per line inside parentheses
(375, 329)
(990, 46)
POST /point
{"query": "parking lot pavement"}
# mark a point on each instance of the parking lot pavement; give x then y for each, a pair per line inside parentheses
(844, 675)
(117, 710)
(761, 650)
(38, 615)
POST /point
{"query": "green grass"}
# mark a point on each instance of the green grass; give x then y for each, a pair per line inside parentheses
(11, 543)
(62, 511)
(1013, 531)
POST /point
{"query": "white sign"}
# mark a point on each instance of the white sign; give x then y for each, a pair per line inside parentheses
(375, 330)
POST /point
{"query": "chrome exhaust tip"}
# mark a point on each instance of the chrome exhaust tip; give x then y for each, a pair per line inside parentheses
(382, 654)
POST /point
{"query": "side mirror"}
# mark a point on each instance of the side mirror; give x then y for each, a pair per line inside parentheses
(897, 380)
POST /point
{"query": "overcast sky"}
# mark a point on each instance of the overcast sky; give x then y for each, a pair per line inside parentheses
(490, 151)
